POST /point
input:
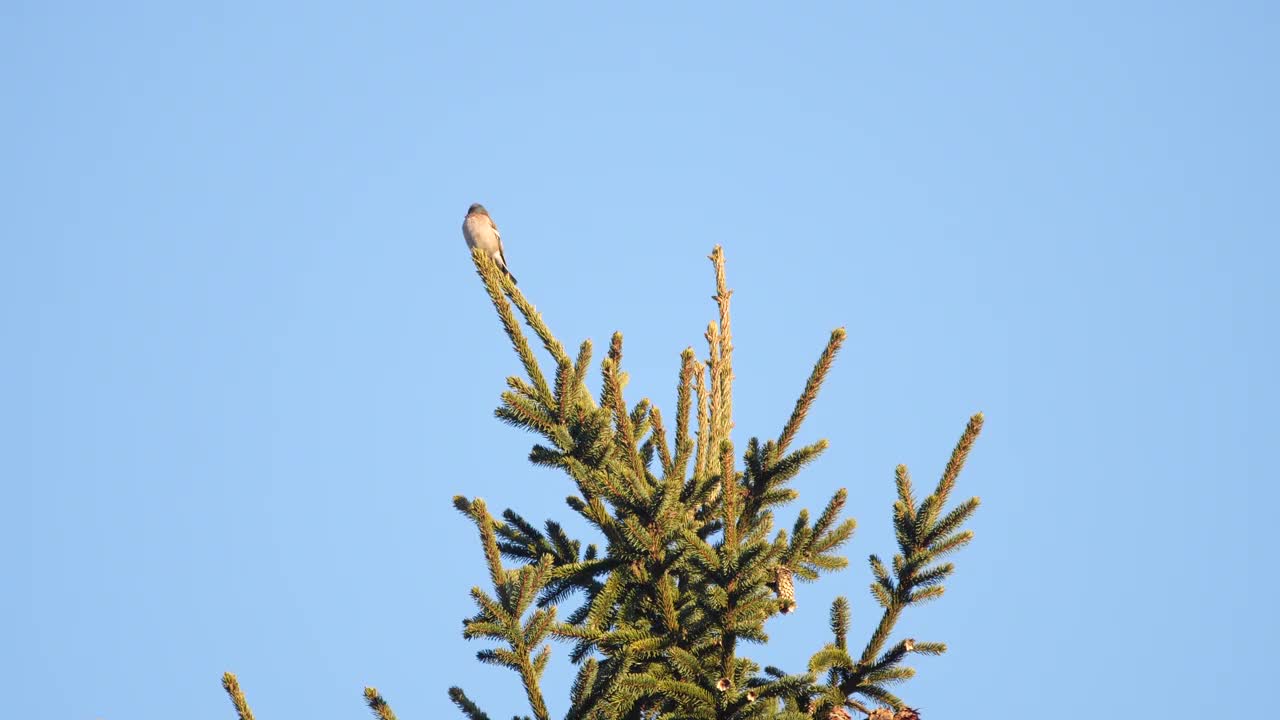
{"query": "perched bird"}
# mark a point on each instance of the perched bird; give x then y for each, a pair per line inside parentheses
(480, 232)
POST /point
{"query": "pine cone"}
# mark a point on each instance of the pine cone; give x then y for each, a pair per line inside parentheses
(785, 587)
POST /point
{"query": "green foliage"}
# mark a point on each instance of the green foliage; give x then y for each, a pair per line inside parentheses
(377, 705)
(691, 563)
(687, 562)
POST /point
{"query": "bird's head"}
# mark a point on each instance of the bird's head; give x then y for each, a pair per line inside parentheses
(477, 209)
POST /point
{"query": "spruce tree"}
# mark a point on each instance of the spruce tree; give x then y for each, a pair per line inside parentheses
(688, 565)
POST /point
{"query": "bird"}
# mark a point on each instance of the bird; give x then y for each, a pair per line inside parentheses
(480, 231)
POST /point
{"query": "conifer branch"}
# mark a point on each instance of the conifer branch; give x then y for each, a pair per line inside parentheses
(479, 514)
(534, 319)
(464, 704)
(683, 445)
(581, 367)
(625, 429)
(840, 618)
(958, 456)
(720, 358)
(232, 686)
(516, 591)
(715, 387)
(902, 479)
(811, 388)
(704, 429)
(376, 704)
(583, 685)
(566, 393)
(659, 436)
(495, 282)
(725, 389)
(530, 673)
(729, 492)
(922, 537)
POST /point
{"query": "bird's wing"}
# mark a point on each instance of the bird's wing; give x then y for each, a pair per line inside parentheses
(497, 235)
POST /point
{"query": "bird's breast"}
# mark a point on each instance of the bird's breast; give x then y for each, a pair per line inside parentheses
(479, 233)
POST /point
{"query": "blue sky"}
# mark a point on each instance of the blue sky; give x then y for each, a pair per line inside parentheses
(247, 363)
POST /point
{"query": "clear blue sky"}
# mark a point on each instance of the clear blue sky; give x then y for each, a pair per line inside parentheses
(246, 362)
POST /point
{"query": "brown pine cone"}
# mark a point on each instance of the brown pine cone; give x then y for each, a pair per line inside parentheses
(785, 588)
